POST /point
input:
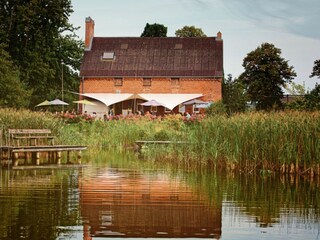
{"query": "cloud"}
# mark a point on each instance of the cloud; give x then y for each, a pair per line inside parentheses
(201, 4)
(299, 17)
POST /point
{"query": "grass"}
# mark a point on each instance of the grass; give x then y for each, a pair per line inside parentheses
(287, 142)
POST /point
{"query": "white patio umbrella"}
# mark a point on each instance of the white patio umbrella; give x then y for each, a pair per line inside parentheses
(44, 103)
(152, 103)
(193, 101)
(85, 102)
(58, 102)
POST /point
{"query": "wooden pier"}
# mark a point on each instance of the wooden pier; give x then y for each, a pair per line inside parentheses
(140, 143)
(31, 143)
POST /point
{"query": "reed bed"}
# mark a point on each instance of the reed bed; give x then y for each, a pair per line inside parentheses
(280, 141)
(287, 142)
(13, 118)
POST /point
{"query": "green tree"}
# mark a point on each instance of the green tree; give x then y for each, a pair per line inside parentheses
(233, 95)
(316, 69)
(13, 93)
(295, 88)
(38, 37)
(266, 72)
(217, 108)
(190, 31)
(154, 30)
(312, 99)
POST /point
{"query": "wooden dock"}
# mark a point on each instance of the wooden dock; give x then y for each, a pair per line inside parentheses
(31, 143)
(53, 152)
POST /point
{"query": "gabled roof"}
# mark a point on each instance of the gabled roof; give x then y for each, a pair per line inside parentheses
(153, 57)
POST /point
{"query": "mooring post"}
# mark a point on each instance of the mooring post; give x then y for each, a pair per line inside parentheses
(37, 158)
(58, 158)
(15, 156)
(79, 157)
(15, 162)
(68, 157)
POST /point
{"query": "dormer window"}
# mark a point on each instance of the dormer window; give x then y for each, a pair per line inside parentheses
(108, 56)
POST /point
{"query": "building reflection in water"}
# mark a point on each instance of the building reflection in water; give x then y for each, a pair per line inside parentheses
(127, 204)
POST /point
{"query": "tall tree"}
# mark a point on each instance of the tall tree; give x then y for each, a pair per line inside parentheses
(13, 93)
(154, 30)
(38, 38)
(233, 95)
(266, 72)
(190, 31)
(316, 69)
(312, 99)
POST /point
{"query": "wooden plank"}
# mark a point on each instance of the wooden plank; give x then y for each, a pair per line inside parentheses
(29, 136)
(29, 131)
(160, 142)
(54, 148)
(34, 137)
(49, 166)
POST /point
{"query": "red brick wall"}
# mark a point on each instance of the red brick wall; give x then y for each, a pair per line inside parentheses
(210, 88)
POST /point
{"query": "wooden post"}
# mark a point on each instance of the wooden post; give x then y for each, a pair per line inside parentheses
(16, 162)
(68, 157)
(79, 157)
(37, 158)
(15, 155)
(58, 158)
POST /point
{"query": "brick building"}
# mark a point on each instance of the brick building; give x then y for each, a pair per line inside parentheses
(120, 73)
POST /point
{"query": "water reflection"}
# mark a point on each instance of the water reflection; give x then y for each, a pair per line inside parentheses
(118, 196)
(131, 204)
(36, 203)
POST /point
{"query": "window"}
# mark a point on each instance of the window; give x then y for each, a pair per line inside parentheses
(146, 81)
(175, 81)
(153, 109)
(167, 110)
(118, 81)
(195, 109)
(107, 56)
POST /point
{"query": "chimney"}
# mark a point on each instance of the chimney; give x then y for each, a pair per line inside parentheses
(89, 33)
(219, 36)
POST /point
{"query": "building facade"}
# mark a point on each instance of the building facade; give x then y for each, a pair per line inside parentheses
(120, 73)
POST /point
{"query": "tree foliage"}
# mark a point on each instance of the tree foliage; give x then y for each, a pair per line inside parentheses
(38, 38)
(310, 102)
(13, 93)
(233, 95)
(266, 72)
(217, 109)
(190, 31)
(316, 69)
(312, 99)
(295, 88)
(154, 30)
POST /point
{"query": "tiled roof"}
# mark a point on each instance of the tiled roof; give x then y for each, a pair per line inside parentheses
(153, 57)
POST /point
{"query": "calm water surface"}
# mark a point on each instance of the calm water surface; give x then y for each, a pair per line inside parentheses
(116, 196)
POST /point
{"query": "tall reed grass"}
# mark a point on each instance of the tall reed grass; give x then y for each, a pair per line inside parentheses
(279, 141)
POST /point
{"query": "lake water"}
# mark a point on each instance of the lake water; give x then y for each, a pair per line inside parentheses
(119, 196)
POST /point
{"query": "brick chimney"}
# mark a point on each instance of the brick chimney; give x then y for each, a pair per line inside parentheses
(89, 33)
(219, 36)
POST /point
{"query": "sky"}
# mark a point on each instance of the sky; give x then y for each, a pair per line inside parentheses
(291, 25)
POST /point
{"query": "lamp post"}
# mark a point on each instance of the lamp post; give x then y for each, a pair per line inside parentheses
(62, 84)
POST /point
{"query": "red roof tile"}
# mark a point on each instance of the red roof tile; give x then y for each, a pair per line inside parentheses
(154, 57)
